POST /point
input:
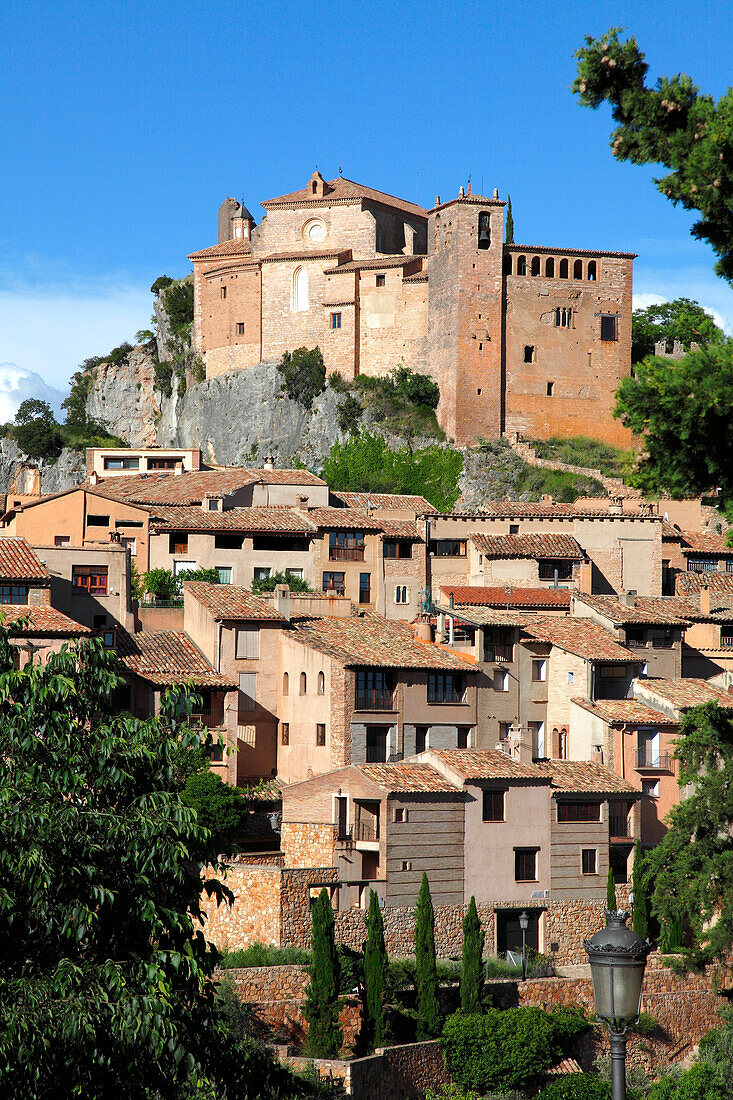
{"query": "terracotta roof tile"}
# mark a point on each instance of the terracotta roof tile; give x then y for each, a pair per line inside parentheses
(484, 764)
(274, 520)
(18, 562)
(189, 487)
(378, 263)
(686, 692)
(226, 248)
(400, 529)
(515, 596)
(688, 584)
(386, 502)
(567, 251)
(478, 615)
(582, 637)
(343, 518)
(42, 620)
(670, 531)
(371, 640)
(624, 711)
(406, 778)
(286, 477)
(345, 190)
(528, 546)
(583, 777)
(230, 601)
(661, 610)
(539, 510)
(164, 657)
(706, 542)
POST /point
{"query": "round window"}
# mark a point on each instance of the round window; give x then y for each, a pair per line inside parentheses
(314, 231)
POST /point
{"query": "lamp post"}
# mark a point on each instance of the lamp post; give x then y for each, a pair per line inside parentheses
(524, 925)
(617, 958)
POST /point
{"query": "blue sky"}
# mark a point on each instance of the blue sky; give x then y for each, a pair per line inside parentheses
(125, 124)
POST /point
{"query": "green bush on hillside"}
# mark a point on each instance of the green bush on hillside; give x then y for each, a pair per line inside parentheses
(264, 954)
(581, 450)
(535, 482)
(304, 375)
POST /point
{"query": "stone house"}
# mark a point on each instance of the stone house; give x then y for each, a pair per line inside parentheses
(535, 560)
(477, 822)
(518, 338)
(91, 584)
(365, 689)
(546, 601)
(648, 625)
(105, 462)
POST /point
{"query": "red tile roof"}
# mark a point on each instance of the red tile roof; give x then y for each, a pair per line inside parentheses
(671, 532)
(400, 529)
(189, 487)
(18, 562)
(582, 637)
(226, 248)
(484, 764)
(379, 263)
(687, 584)
(584, 777)
(164, 657)
(497, 596)
(686, 692)
(386, 502)
(404, 778)
(285, 477)
(230, 601)
(539, 510)
(41, 621)
(706, 542)
(621, 712)
(371, 640)
(345, 190)
(273, 520)
(650, 610)
(343, 518)
(528, 546)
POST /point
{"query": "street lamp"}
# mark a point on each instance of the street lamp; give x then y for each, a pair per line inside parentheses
(617, 958)
(524, 925)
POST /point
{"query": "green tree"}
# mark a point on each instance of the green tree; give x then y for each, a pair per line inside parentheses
(105, 976)
(418, 389)
(672, 124)
(682, 320)
(269, 583)
(161, 584)
(304, 375)
(36, 431)
(426, 973)
(611, 892)
(509, 221)
(160, 283)
(221, 809)
(321, 1008)
(177, 301)
(684, 413)
(699, 1082)
(375, 977)
(472, 971)
(692, 867)
(640, 909)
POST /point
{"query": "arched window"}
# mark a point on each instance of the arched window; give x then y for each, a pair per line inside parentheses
(522, 265)
(563, 318)
(300, 290)
(314, 187)
(550, 268)
(563, 269)
(507, 265)
(321, 684)
(535, 265)
(591, 271)
(303, 683)
(578, 269)
(286, 683)
(484, 230)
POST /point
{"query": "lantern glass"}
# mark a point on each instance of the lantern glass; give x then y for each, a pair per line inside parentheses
(617, 985)
(523, 921)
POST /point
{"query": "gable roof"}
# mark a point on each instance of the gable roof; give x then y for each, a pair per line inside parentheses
(164, 657)
(345, 191)
(19, 562)
(189, 487)
(407, 778)
(582, 637)
(584, 777)
(230, 601)
(465, 595)
(686, 692)
(385, 502)
(225, 248)
(621, 712)
(649, 610)
(706, 542)
(42, 620)
(273, 520)
(529, 546)
(343, 519)
(484, 764)
(368, 639)
(716, 580)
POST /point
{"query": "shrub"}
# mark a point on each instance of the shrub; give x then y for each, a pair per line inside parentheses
(261, 954)
(163, 378)
(198, 371)
(144, 336)
(304, 375)
(581, 450)
(507, 1049)
(177, 301)
(700, 1082)
(220, 808)
(160, 283)
(418, 389)
(451, 1092)
(349, 414)
(321, 1008)
(564, 487)
(577, 1086)
(268, 584)
(161, 584)
(36, 431)
(119, 354)
(338, 383)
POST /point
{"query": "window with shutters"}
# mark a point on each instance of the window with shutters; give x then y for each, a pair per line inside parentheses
(89, 580)
(247, 691)
(493, 806)
(578, 811)
(248, 643)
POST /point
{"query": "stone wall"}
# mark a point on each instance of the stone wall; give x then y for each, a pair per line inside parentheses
(254, 916)
(308, 843)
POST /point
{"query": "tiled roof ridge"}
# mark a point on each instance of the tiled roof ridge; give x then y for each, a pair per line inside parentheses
(530, 545)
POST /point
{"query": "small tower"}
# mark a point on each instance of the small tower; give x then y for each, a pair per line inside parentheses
(226, 210)
(242, 223)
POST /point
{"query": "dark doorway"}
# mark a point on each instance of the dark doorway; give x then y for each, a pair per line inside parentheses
(509, 934)
(342, 811)
(376, 744)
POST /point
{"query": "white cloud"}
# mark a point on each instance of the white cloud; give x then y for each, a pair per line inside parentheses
(652, 286)
(51, 331)
(16, 385)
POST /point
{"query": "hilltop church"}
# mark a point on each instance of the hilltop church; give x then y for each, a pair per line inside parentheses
(519, 338)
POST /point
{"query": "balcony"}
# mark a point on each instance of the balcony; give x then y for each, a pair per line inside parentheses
(375, 699)
(726, 641)
(619, 827)
(365, 831)
(662, 643)
(648, 758)
(446, 697)
(346, 553)
(335, 590)
(499, 653)
(636, 643)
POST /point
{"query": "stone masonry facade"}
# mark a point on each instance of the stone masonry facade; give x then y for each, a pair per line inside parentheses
(519, 338)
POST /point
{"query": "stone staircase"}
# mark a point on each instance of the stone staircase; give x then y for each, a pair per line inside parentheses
(614, 486)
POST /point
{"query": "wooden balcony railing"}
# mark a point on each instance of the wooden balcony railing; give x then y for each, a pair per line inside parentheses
(499, 652)
(346, 553)
(376, 699)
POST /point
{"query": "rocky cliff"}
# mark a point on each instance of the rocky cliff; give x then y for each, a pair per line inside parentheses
(18, 475)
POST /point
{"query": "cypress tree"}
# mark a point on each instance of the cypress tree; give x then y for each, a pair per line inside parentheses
(375, 976)
(321, 1008)
(509, 221)
(640, 914)
(472, 972)
(426, 973)
(611, 903)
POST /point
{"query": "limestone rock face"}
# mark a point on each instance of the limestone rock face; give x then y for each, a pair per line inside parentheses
(19, 475)
(123, 397)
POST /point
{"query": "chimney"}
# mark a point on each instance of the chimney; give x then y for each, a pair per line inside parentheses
(281, 600)
(596, 754)
(521, 740)
(705, 599)
(496, 193)
(584, 577)
(437, 200)
(303, 501)
(451, 600)
(178, 470)
(94, 478)
(461, 193)
(546, 498)
(423, 631)
(627, 599)
(269, 462)
(616, 506)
